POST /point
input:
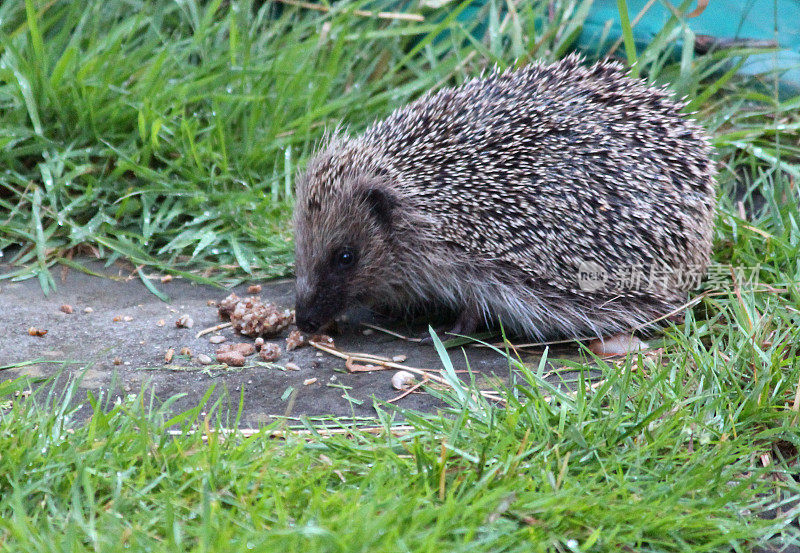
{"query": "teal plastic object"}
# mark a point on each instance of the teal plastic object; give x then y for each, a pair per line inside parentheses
(725, 20)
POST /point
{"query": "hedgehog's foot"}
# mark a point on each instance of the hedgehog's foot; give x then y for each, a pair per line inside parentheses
(618, 344)
(466, 323)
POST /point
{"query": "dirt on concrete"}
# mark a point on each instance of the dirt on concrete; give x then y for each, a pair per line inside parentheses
(116, 338)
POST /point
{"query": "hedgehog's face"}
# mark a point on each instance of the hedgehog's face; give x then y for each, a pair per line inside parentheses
(342, 249)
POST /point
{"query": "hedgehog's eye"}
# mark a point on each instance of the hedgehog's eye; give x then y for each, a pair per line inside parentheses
(345, 258)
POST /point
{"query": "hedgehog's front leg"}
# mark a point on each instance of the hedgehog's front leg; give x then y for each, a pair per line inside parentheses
(467, 323)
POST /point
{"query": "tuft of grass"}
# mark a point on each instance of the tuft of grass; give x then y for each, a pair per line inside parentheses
(679, 451)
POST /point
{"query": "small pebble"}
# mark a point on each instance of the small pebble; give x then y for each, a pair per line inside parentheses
(254, 289)
(309, 381)
(168, 356)
(292, 366)
(259, 343)
(399, 358)
(217, 339)
(161, 322)
(367, 331)
(127, 318)
(204, 359)
(66, 308)
(88, 310)
(402, 380)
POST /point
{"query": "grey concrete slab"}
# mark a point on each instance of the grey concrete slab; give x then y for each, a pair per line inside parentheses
(122, 356)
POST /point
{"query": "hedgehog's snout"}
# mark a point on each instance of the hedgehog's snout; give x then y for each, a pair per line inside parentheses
(306, 316)
(315, 310)
(305, 319)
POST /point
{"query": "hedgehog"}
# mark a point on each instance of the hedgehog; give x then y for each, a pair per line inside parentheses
(556, 200)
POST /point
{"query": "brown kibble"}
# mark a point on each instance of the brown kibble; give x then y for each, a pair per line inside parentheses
(252, 317)
(254, 289)
(270, 352)
(185, 321)
(211, 303)
(322, 339)
(186, 351)
(66, 308)
(161, 322)
(33, 331)
(242, 348)
(168, 356)
(309, 381)
(292, 366)
(117, 319)
(117, 361)
(294, 340)
(166, 278)
(231, 358)
(245, 348)
(217, 339)
(204, 359)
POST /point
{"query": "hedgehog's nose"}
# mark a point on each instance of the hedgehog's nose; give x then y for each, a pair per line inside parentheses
(306, 324)
(305, 319)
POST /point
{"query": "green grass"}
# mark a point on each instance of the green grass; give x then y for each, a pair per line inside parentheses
(663, 456)
(167, 134)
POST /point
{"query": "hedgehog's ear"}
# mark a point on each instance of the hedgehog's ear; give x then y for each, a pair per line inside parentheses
(381, 203)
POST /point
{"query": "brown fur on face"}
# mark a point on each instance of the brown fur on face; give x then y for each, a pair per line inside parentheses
(344, 246)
